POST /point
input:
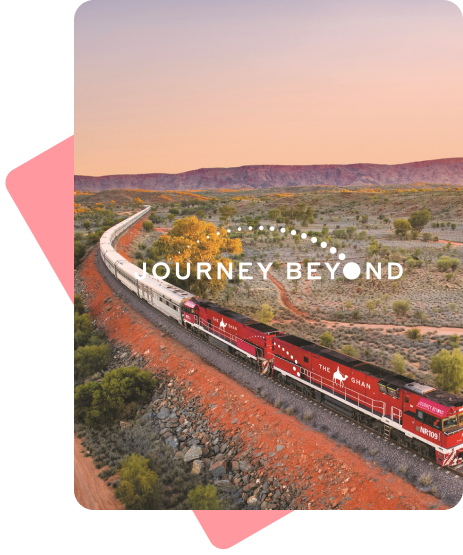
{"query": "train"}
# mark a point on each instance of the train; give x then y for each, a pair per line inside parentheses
(415, 415)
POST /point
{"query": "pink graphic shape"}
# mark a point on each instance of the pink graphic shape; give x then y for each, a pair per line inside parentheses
(41, 185)
(227, 528)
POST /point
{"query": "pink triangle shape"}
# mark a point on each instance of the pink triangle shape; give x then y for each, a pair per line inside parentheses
(227, 528)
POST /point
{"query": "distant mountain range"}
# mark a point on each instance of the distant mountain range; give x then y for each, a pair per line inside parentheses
(445, 171)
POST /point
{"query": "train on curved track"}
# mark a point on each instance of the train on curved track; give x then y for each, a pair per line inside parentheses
(414, 415)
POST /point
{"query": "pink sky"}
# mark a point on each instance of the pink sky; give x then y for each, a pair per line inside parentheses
(175, 86)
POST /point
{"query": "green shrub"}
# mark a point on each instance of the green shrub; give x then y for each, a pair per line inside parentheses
(446, 263)
(326, 339)
(350, 351)
(79, 252)
(448, 369)
(89, 360)
(116, 397)
(148, 226)
(398, 364)
(139, 485)
(401, 307)
(265, 314)
(203, 498)
(79, 307)
(414, 334)
(82, 329)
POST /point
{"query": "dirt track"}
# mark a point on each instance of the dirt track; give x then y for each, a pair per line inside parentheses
(330, 323)
(90, 491)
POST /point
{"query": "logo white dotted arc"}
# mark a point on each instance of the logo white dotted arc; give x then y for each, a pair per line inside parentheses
(353, 268)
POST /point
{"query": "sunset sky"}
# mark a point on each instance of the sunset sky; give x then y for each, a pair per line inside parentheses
(176, 85)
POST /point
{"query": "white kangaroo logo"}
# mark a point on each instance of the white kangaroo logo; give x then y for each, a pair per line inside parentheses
(337, 376)
(223, 324)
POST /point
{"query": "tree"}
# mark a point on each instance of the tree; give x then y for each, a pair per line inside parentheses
(398, 364)
(414, 334)
(170, 217)
(148, 226)
(90, 359)
(448, 369)
(419, 219)
(370, 305)
(427, 236)
(87, 224)
(79, 307)
(192, 240)
(117, 396)
(200, 214)
(401, 307)
(137, 202)
(82, 329)
(401, 227)
(139, 486)
(227, 212)
(274, 214)
(326, 339)
(351, 351)
(351, 231)
(204, 498)
(364, 219)
(265, 314)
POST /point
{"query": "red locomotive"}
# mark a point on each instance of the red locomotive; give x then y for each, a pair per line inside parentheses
(415, 415)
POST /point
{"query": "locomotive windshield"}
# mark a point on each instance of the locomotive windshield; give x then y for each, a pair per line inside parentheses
(449, 423)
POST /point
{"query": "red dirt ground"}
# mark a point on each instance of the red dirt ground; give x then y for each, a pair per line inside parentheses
(342, 474)
(90, 491)
(124, 243)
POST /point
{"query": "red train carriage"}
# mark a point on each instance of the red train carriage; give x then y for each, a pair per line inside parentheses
(232, 332)
(413, 414)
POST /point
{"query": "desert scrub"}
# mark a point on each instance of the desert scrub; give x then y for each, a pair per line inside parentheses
(307, 416)
(277, 403)
(425, 480)
(290, 410)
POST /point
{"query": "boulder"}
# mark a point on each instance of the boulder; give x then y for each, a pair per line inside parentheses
(197, 467)
(249, 487)
(218, 469)
(163, 413)
(252, 500)
(280, 447)
(193, 453)
(246, 466)
(235, 466)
